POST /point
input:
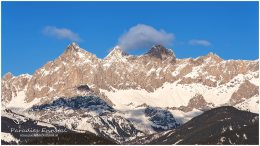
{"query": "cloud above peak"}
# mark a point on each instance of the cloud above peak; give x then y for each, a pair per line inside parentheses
(144, 36)
(200, 42)
(61, 33)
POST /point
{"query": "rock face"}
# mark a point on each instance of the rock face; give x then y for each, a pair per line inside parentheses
(76, 67)
(159, 51)
(122, 96)
(91, 103)
(245, 91)
(11, 86)
(162, 119)
(73, 68)
(197, 102)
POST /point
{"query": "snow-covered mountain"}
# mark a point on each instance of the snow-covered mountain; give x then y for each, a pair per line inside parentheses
(24, 124)
(222, 125)
(122, 97)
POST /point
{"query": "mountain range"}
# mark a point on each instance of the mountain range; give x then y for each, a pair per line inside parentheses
(152, 98)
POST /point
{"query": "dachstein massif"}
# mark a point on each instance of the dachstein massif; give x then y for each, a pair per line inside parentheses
(154, 98)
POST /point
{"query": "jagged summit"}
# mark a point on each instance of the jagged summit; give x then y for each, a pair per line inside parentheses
(7, 76)
(73, 47)
(159, 51)
(71, 90)
(211, 57)
(75, 51)
(116, 52)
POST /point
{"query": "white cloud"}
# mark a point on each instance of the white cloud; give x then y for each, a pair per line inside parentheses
(144, 36)
(200, 42)
(61, 33)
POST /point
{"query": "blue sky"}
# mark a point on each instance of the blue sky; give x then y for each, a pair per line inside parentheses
(36, 32)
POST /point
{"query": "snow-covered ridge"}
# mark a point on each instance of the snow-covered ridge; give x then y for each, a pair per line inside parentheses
(132, 84)
(117, 54)
(7, 137)
(175, 92)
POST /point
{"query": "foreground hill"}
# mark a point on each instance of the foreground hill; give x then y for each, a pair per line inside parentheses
(223, 125)
(16, 129)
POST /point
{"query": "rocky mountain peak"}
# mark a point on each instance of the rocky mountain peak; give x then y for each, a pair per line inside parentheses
(116, 52)
(149, 85)
(213, 57)
(8, 76)
(159, 51)
(73, 47)
(74, 51)
(209, 58)
(211, 54)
